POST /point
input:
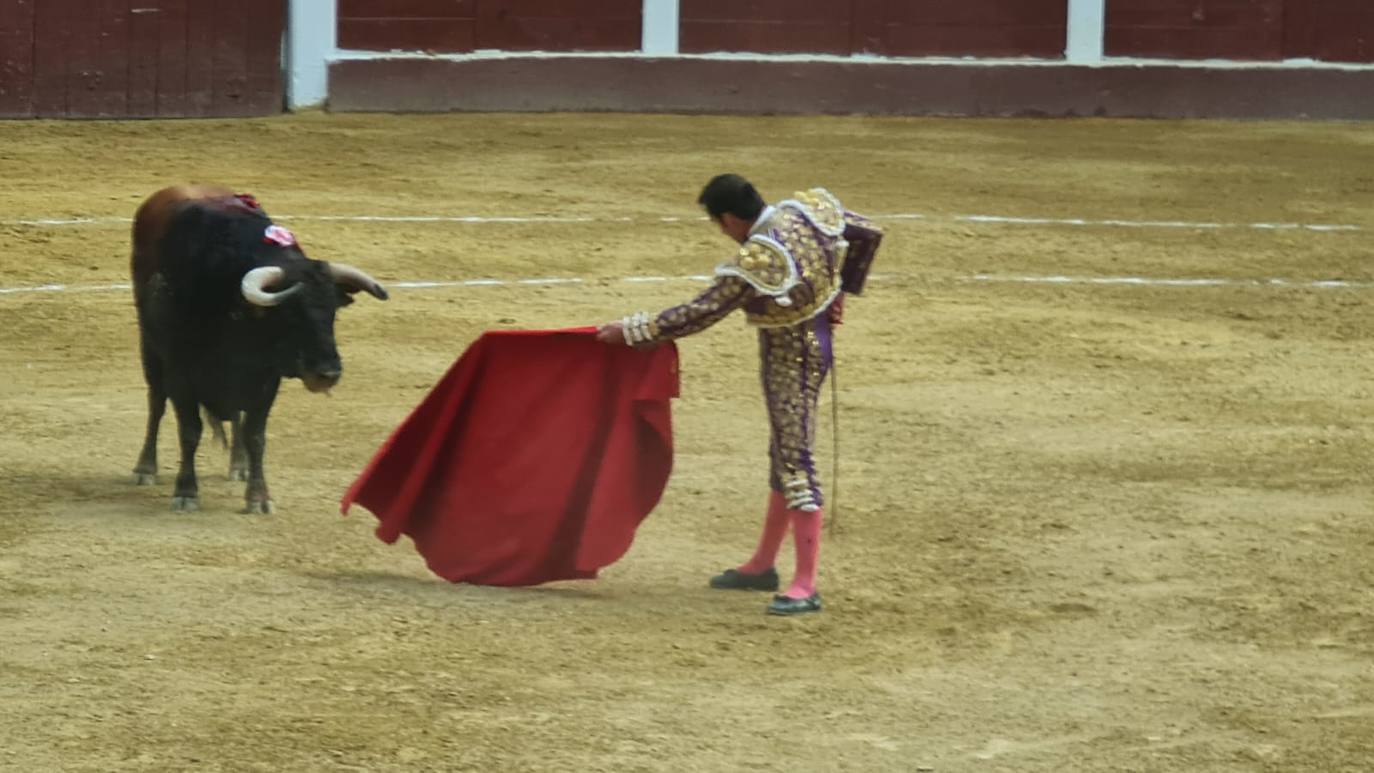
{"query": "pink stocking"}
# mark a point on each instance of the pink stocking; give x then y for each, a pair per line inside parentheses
(806, 528)
(774, 530)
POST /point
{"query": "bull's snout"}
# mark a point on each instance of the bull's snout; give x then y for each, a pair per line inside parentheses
(322, 380)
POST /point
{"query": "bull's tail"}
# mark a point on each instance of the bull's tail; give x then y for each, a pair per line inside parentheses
(216, 427)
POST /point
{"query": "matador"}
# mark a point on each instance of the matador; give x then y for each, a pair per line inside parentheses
(797, 259)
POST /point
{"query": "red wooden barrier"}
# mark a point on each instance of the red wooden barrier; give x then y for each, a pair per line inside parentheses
(16, 57)
(767, 26)
(993, 28)
(1333, 30)
(408, 25)
(455, 26)
(1195, 29)
(559, 25)
(1329, 30)
(884, 27)
(140, 58)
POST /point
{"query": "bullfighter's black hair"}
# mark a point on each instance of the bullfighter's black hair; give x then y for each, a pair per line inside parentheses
(730, 193)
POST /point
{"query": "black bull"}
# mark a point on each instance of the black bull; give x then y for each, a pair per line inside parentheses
(228, 306)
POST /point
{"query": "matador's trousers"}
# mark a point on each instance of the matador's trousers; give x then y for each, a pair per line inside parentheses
(794, 362)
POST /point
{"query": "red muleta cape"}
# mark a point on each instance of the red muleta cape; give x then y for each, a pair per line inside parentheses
(534, 459)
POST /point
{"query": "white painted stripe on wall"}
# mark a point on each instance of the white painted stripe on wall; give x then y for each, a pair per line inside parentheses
(1087, 31)
(660, 27)
(1107, 61)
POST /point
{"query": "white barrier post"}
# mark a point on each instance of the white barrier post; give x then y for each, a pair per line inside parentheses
(1087, 31)
(660, 27)
(311, 39)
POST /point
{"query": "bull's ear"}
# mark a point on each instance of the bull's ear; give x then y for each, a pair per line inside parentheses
(344, 295)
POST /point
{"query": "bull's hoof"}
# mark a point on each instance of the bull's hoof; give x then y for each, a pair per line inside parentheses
(185, 504)
(145, 479)
(238, 473)
(260, 507)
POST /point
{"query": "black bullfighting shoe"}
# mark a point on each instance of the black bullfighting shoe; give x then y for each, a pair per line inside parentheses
(782, 605)
(734, 579)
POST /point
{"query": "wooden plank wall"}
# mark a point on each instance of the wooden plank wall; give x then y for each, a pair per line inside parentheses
(766, 26)
(995, 28)
(1334, 30)
(559, 25)
(456, 26)
(16, 57)
(1195, 29)
(882, 27)
(1329, 30)
(408, 25)
(140, 58)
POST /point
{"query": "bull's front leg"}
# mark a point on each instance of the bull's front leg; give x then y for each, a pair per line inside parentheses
(145, 470)
(186, 496)
(254, 432)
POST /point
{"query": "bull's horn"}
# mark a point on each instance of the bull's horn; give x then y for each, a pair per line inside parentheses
(255, 282)
(355, 279)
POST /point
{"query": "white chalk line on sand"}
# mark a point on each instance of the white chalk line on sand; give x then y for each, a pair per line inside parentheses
(1323, 284)
(64, 288)
(554, 219)
(420, 284)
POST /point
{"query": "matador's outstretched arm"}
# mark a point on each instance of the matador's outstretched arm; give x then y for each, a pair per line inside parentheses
(713, 304)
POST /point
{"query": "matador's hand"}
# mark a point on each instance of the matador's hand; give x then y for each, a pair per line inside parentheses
(836, 310)
(612, 333)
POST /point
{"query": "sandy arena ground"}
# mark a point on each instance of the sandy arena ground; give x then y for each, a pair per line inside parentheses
(1082, 527)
